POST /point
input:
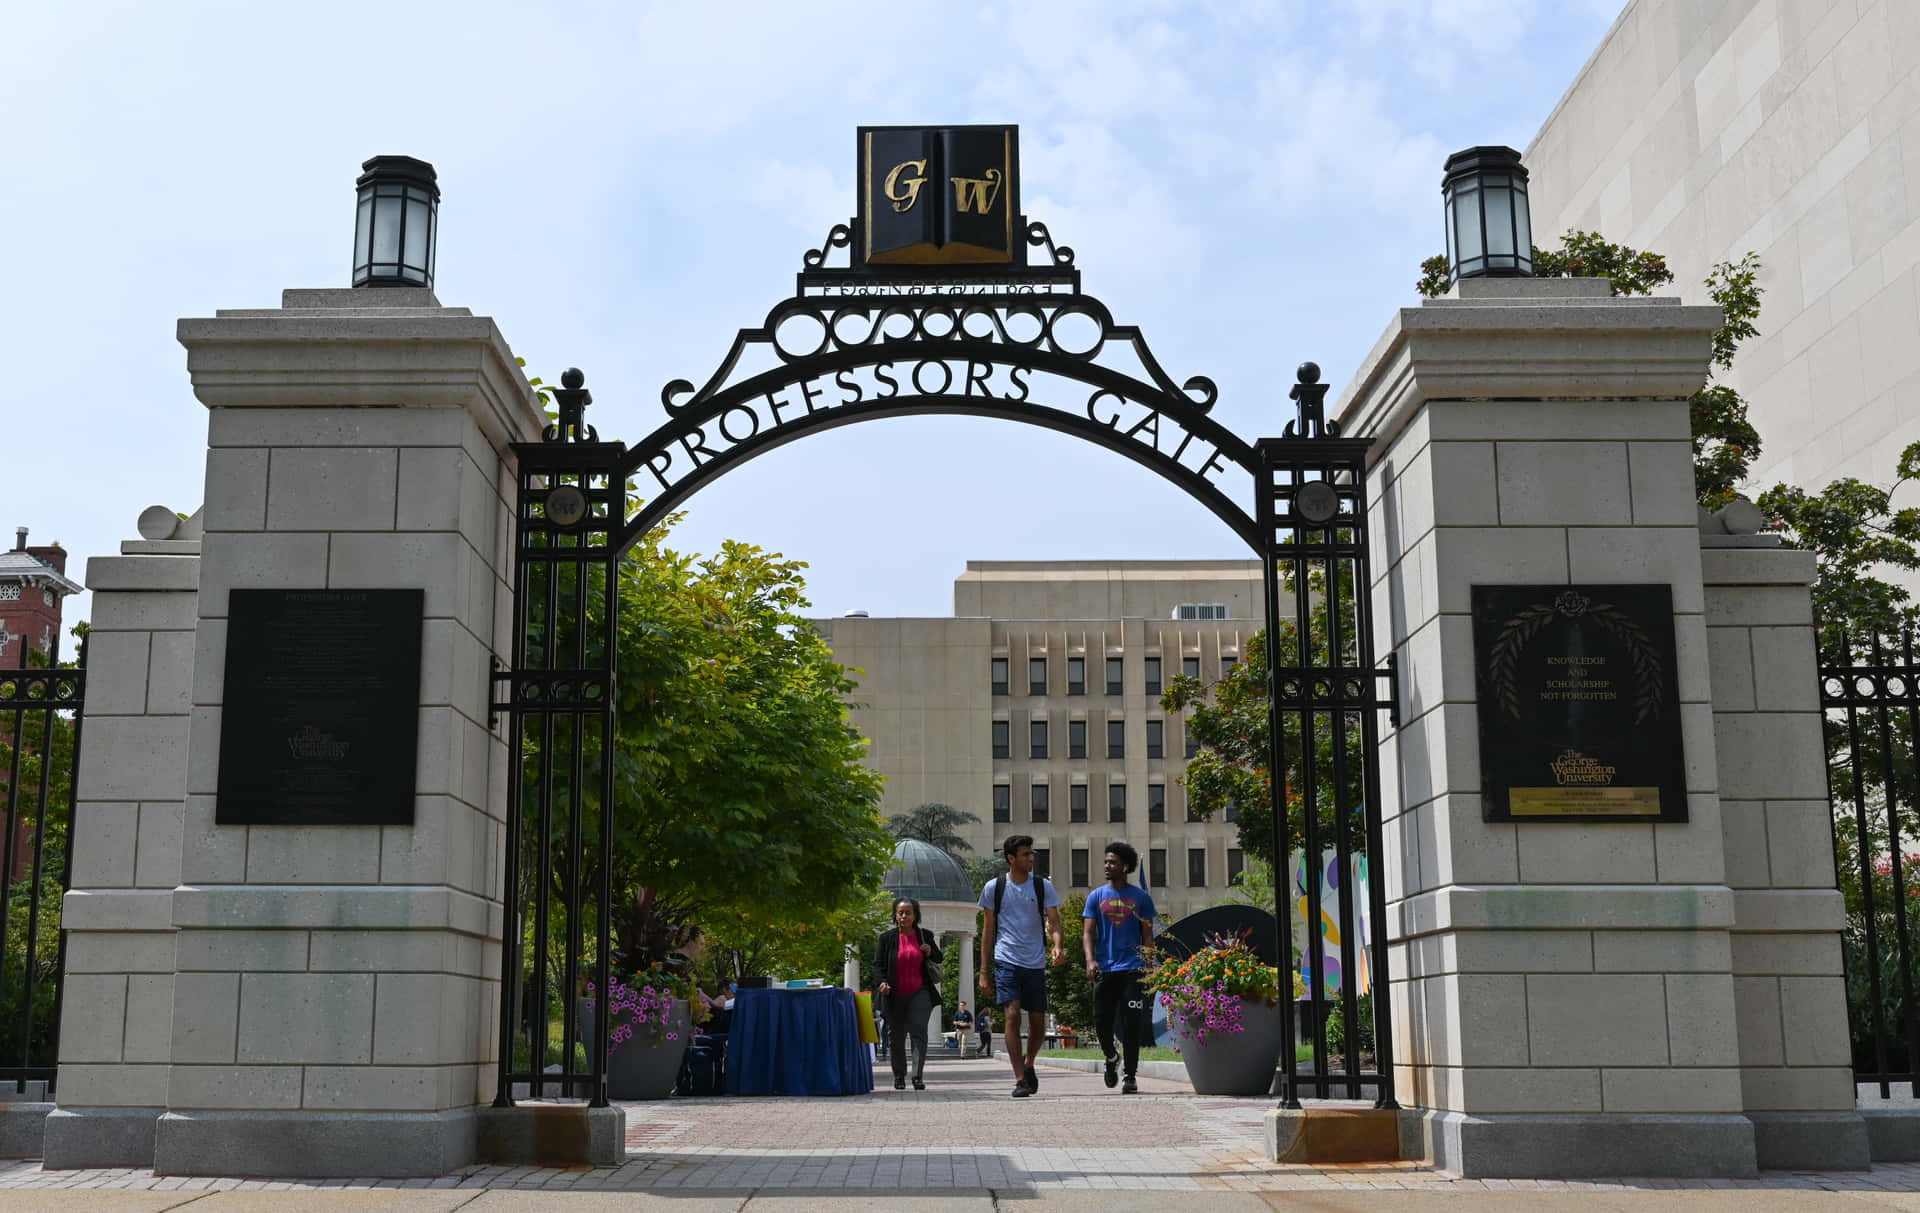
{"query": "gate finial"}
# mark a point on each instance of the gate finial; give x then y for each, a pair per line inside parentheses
(573, 398)
(1312, 396)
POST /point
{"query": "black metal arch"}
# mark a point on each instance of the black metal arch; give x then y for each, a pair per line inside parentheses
(669, 442)
(1305, 515)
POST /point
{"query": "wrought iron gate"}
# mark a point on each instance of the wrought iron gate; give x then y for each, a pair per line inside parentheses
(1870, 690)
(40, 710)
(937, 347)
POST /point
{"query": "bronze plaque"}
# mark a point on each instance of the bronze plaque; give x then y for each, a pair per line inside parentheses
(1579, 703)
(321, 712)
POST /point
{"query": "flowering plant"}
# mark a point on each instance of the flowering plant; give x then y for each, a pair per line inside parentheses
(1207, 990)
(645, 1005)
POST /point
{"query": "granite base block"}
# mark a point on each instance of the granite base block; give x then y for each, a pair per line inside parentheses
(1333, 1135)
(315, 1144)
(1893, 1132)
(553, 1135)
(1810, 1141)
(23, 1127)
(1579, 1147)
(99, 1137)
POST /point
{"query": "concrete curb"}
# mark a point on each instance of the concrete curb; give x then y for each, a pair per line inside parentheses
(1168, 1071)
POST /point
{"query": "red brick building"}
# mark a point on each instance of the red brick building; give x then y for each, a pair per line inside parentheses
(33, 584)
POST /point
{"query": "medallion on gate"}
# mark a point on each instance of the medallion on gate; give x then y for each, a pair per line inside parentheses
(1579, 703)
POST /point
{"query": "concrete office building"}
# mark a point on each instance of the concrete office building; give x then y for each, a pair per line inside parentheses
(1704, 129)
(1037, 707)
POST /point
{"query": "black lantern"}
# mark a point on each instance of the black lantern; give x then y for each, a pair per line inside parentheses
(394, 225)
(1489, 232)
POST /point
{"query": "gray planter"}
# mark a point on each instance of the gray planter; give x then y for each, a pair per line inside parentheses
(641, 1069)
(1238, 1063)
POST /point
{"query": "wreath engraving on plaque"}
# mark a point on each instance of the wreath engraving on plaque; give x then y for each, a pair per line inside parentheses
(1578, 703)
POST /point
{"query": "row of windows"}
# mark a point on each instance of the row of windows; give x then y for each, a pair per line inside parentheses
(1116, 674)
(1040, 805)
(1077, 739)
(1081, 866)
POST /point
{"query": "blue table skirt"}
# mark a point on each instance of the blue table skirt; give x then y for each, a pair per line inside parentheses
(796, 1042)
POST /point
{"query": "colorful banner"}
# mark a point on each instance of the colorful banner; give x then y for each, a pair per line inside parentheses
(1334, 976)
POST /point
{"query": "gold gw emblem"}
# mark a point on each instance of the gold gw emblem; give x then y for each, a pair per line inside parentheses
(902, 203)
(971, 195)
(976, 194)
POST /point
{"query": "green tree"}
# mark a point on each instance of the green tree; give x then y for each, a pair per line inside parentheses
(742, 798)
(1725, 443)
(935, 823)
(1069, 993)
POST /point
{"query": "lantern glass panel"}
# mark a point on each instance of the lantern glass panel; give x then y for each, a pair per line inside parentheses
(1499, 223)
(1466, 222)
(416, 243)
(1523, 228)
(386, 234)
(362, 231)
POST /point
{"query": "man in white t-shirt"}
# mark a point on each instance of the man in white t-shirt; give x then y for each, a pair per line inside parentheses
(1021, 911)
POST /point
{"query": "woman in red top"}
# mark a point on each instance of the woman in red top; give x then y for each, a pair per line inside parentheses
(900, 961)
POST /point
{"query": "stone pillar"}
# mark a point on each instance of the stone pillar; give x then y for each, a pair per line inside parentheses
(336, 992)
(969, 979)
(117, 1007)
(850, 971)
(1790, 998)
(1562, 994)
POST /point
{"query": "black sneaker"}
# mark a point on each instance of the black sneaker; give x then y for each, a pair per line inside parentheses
(1032, 1080)
(1129, 1087)
(1113, 1069)
(1020, 1090)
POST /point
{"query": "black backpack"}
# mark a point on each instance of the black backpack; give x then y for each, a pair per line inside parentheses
(1039, 902)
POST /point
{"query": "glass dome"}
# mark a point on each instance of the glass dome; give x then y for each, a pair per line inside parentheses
(926, 873)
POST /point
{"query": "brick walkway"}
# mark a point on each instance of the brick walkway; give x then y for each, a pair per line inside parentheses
(964, 1135)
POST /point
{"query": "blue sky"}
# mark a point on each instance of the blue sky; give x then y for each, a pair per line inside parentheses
(624, 186)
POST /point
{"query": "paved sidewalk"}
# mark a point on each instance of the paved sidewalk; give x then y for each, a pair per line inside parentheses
(961, 1145)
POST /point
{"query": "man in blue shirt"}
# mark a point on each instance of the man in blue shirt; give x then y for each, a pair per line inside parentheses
(1118, 920)
(1021, 910)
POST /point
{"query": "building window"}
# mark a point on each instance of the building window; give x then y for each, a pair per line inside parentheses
(1116, 802)
(1076, 739)
(1002, 803)
(1193, 814)
(1042, 802)
(1076, 675)
(1036, 676)
(1197, 868)
(1043, 862)
(1156, 802)
(1157, 868)
(1037, 739)
(1116, 676)
(1193, 744)
(999, 675)
(9, 593)
(1236, 866)
(1080, 867)
(1190, 666)
(1156, 739)
(1116, 739)
(1153, 675)
(1077, 802)
(1233, 811)
(1200, 610)
(1002, 739)
(1227, 664)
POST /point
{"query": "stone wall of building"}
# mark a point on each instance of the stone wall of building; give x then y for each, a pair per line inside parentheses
(1790, 128)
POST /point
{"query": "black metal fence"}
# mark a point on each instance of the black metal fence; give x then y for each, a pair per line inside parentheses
(40, 704)
(1870, 690)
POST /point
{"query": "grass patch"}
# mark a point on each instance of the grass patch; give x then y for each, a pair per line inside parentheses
(1154, 1053)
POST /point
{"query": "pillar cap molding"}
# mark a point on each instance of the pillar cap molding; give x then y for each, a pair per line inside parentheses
(1770, 566)
(362, 357)
(1528, 349)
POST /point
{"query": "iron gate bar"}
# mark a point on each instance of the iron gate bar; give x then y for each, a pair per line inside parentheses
(1895, 867)
(25, 694)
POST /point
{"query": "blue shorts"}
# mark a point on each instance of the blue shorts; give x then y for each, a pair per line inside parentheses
(1017, 983)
